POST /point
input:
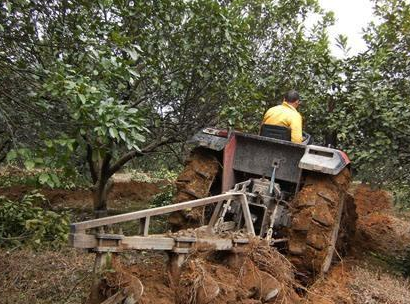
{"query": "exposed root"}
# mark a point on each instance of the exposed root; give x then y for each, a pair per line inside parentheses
(258, 275)
(116, 285)
(196, 286)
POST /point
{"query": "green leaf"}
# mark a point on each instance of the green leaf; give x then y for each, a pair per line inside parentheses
(12, 155)
(122, 135)
(139, 137)
(113, 133)
(43, 178)
(55, 179)
(49, 143)
(82, 98)
(133, 54)
(132, 110)
(29, 164)
(133, 72)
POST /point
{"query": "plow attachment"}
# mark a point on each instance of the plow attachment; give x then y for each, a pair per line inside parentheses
(105, 237)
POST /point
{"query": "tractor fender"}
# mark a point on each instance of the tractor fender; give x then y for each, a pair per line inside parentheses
(324, 160)
(213, 139)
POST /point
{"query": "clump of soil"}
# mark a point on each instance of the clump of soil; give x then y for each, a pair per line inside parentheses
(377, 228)
(333, 288)
(370, 200)
(118, 284)
(383, 233)
(151, 269)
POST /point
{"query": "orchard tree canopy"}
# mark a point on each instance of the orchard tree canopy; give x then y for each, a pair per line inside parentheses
(373, 108)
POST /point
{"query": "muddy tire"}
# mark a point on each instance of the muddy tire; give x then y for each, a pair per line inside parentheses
(194, 182)
(323, 222)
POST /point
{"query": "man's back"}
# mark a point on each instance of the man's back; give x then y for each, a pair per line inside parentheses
(286, 116)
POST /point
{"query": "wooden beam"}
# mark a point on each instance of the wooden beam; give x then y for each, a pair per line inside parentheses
(143, 228)
(82, 240)
(82, 226)
(156, 242)
(159, 242)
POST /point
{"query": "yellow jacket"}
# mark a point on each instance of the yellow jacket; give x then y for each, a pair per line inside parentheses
(286, 116)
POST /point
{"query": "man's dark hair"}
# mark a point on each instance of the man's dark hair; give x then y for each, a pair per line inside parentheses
(291, 96)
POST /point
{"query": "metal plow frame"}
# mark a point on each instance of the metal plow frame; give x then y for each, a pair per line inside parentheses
(99, 241)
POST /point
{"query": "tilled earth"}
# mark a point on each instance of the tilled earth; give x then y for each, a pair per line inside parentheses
(66, 276)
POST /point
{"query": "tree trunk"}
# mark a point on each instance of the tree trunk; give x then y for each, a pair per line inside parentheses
(100, 194)
(101, 171)
(331, 139)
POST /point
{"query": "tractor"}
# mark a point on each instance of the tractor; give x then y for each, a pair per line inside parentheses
(297, 193)
(234, 188)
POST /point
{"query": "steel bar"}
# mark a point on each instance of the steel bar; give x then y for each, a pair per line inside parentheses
(82, 226)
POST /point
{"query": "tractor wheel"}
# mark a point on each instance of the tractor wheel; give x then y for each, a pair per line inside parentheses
(323, 221)
(194, 182)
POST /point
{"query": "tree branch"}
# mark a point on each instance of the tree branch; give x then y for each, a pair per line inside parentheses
(93, 171)
(4, 149)
(134, 153)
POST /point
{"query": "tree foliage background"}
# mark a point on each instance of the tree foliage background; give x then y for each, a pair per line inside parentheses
(104, 82)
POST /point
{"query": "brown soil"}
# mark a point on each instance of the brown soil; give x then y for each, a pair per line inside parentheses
(123, 192)
(370, 200)
(332, 289)
(207, 278)
(378, 229)
(383, 233)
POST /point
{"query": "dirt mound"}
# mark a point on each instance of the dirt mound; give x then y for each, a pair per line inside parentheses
(370, 200)
(332, 289)
(258, 275)
(377, 228)
(148, 268)
(121, 193)
(383, 233)
(133, 190)
(118, 284)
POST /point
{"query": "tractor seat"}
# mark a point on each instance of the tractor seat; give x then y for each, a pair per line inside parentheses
(278, 132)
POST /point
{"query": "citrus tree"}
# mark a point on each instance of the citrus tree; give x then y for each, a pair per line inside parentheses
(113, 80)
(373, 111)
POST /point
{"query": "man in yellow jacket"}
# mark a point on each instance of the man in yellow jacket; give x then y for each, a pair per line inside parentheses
(286, 115)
